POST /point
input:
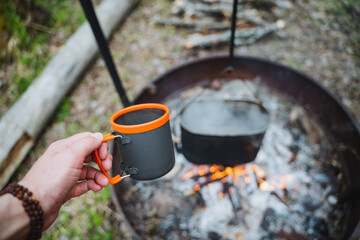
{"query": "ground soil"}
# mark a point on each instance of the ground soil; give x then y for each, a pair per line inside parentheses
(142, 51)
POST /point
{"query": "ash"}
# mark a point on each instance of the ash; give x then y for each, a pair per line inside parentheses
(292, 196)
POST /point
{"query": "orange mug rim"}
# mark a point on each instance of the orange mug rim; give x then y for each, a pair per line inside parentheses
(144, 127)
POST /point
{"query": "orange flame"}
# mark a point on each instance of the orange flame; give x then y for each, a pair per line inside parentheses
(258, 171)
(218, 174)
(188, 175)
(229, 171)
(213, 168)
(284, 180)
(234, 174)
(247, 180)
(201, 171)
(265, 186)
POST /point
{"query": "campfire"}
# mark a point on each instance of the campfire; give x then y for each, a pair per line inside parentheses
(203, 175)
(289, 192)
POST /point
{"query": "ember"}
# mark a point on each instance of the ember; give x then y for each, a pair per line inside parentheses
(207, 175)
(270, 198)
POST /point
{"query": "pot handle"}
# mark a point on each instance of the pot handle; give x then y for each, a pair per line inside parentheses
(95, 153)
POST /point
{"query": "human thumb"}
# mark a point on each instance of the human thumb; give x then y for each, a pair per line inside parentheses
(87, 145)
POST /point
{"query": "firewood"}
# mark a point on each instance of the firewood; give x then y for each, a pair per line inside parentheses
(242, 37)
(279, 3)
(252, 16)
(199, 10)
(221, 1)
(192, 24)
(200, 25)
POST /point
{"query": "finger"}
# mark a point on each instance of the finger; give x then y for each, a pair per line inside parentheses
(89, 158)
(83, 187)
(107, 162)
(88, 172)
(103, 150)
(83, 147)
(65, 143)
(73, 139)
(102, 153)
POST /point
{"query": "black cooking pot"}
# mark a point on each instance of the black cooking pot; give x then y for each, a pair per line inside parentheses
(218, 131)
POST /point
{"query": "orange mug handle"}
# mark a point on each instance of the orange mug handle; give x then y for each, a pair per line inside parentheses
(95, 153)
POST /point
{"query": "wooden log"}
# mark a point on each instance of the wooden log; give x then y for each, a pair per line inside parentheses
(286, 4)
(24, 121)
(250, 15)
(192, 24)
(200, 10)
(242, 37)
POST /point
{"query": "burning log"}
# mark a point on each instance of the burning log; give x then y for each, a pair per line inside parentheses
(242, 37)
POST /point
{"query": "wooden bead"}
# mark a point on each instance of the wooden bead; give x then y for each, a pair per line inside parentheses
(31, 206)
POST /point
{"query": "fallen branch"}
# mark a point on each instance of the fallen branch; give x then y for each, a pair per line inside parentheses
(199, 10)
(192, 24)
(242, 37)
(279, 3)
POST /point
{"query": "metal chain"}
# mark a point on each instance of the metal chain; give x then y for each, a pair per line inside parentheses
(232, 37)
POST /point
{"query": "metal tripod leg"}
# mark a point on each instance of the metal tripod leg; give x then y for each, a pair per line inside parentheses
(104, 49)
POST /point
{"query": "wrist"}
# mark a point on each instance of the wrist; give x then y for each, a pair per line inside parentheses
(17, 222)
(38, 195)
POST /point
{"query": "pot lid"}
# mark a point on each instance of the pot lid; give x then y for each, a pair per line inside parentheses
(218, 117)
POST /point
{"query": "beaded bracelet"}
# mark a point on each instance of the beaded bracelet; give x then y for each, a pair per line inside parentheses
(31, 206)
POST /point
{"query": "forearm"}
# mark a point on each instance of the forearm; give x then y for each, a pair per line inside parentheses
(14, 222)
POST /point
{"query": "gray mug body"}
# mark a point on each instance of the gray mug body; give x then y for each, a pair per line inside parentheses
(145, 155)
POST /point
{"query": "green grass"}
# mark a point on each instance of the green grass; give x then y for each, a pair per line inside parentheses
(295, 64)
(94, 224)
(26, 34)
(347, 15)
(64, 110)
(353, 90)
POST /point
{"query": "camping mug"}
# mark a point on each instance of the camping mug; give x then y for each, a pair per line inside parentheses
(143, 137)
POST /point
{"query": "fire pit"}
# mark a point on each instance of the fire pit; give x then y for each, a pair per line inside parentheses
(303, 183)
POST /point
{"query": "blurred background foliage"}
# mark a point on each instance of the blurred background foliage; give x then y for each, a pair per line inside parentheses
(347, 14)
(31, 31)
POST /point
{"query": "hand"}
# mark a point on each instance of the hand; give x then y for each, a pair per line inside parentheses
(60, 174)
